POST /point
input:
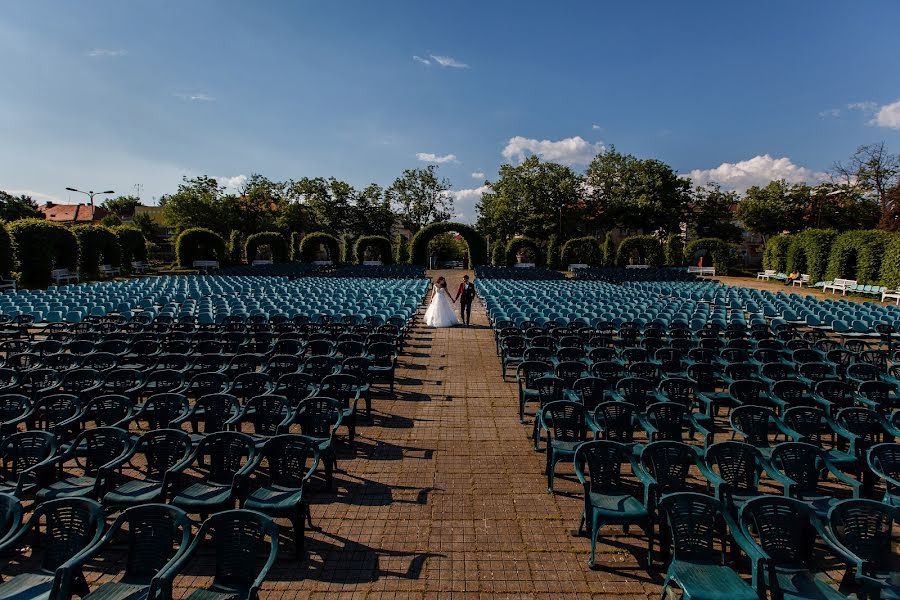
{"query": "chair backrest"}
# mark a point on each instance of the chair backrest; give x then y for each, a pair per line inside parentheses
(884, 460)
(291, 460)
(23, 450)
(108, 409)
(156, 534)
(692, 522)
(567, 420)
(223, 454)
(782, 528)
(549, 389)
(616, 421)
(70, 526)
(801, 462)
(867, 424)
(10, 514)
(668, 419)
(13, 406)
(243, 541)
(808, 421)
(865, 528)
(163, 449)
(604, 460)
(668, 463)
(267, 412)
(217, 410)
(51, 410)
(735, 462)
(162, 409)
(591, 391)
(317, 416)
(95, 447)
(679, 389)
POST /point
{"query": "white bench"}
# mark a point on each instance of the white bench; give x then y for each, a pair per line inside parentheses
(767, 274)
(575, 266)
(206, 265)
(525, 265)
(63, 276)
(891, 295)
(110, 271)
(372, 263)
(7, 285)
(261, 262)
(139, 266)
(637, 266)
(322, 263)
(702, 271)
(842, 285)
(804, 279)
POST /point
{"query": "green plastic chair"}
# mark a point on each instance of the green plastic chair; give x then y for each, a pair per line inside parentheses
(163, 451)
(97, 453)
(10, 516)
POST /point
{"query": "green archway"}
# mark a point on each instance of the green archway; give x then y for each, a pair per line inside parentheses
(584, 250)
(720, 253)
(648, 248)
(809, 252)
(858, 255)
(379, 244)
(40, 246)
(311, 242)
(274, 240)
(199, 244)
(474, 240)
(515, 245)
(775, 253)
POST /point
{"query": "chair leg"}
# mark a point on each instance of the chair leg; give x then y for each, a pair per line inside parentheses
(299, 522)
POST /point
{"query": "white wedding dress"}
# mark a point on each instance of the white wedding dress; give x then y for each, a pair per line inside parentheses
(440, 312)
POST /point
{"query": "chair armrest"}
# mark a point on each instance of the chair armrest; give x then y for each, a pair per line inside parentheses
(787, 431)
(843, 477)
(783, 480)
(273, 554)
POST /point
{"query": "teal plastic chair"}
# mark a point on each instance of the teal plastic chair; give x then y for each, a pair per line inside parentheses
(10, 516)
(163, 451)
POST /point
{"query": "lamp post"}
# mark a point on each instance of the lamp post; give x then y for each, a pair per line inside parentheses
(91, 195)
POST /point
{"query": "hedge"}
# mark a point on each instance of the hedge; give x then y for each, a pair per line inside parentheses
(274, 240)
(97, 246)
(647, 246)
(380, 244)
(674, 250)
(809, 251)
(39, 246)
(199, 243)
(609, 251)
(775, 253)
(295, 246)
(890, 263)
(6, 252)
(498, 253)
(515, 245)
(347, 246)
(236, 247)
(553, 261)
(583, 250)
(858, 255)
(133, 244)
(719, 252)
(402, 250)
(476, 243)
(309, 246)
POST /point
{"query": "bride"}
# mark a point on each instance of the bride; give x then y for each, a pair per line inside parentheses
(440, 313)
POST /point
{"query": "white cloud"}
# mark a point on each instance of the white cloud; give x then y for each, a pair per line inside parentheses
(596, 127)
(198, 97)
(107, 52)
(464, 202)
(37, 196)
(888, 116)
(434, 158)
(867, 106)
(833, 113)
(478, 175)
(448, 61)
(419, 59)
(568, 151)
(758, 170)
(232, 184)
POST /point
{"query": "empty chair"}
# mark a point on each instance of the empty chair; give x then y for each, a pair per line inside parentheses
(884, 462)
(215, 412)
(10, 516)
(23, 456)
(567, 425)
(161, 451)
(319, 419)
(96, 453)
(797, 467)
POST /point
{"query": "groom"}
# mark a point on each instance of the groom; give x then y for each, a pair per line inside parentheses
(466, 293)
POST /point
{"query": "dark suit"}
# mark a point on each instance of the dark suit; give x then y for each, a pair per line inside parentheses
(465, 294)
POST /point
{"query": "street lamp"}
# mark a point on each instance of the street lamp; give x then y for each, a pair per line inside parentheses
(91, 194)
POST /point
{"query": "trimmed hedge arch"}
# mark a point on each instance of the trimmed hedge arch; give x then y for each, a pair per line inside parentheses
(553, 260)
(809, 251)
(132, 243)
(235, 247)
(97, 246)
(858, 255)
(39, 246)
(583, 250)
(199, 243)
(295, 246)
(6, 252)
(380, 244)
(775, 253)
(274, 240)
(674, 250)
(890, 263)
(311, 242)
(497, 253)
(402, 250)
(515, 245)
(647, 246)
(609, 250)
(719, 251)
(476, 243)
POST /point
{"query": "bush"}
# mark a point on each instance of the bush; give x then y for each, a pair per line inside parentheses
(347, 246)
(890, 263)
(553, 249)
(132, 243)
(274, 240)
(236, 247)
(674, 251)
(858, 255)
(474, 240)
(775, 253)
(515, 245)
(498, 253)
(809, 251)
(97, 246)
(583, 250)
(40, 246)
(6, 252)
(402, 250)
(649, 250)
(609, 250)
(295, 246)
(380, 245)
(720, 253)
(199, 244)
(309, 246)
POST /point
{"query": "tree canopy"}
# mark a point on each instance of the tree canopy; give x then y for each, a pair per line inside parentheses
(419, 197)
(13, 208)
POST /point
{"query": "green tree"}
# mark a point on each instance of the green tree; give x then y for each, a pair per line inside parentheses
(199, 202)
(327, 202)
(877, 172)
(122, 206)
(257, 205)
(764, 209)
(145, 223)
(446, 246)
(420, 197)
(111, 221)
(535, 199)
(371, 213)
(13, 208)
(710, 214)
(635, 194)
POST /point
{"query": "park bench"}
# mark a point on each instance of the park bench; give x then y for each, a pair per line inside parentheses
(702, 271)
(372, 263)
(841, 285)
(63, 276)
(7, 285)
(767, 274)
(637, 266)
(576, 266)
(525, 265)
(804, 280)
(260, 262)
(110, 271)
(891, 295)
(206, 265)
(139, 266)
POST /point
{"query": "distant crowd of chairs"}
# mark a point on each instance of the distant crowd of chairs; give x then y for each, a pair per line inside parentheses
(621, 275)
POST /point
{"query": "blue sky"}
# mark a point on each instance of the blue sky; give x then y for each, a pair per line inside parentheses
(101, 94)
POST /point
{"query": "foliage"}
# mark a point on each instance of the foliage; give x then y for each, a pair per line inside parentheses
(710, 215)
(122, 206)
(609, 250)
(775, 253)
(39, 246)
(274, 240)
(498, 253)
(553, 261)
(402, 250)
(133, 244)
(648, 249)
(890, 263)
(97, 246)
(635, 194)
(380, 246)
(876, 171)
(764, 210)
(516, 245)
(858, 255)
(534, 199)
(110, 221)
(583, 250)
(309, 246)
(295, 246)
(145, 223)
(13, 208)
(476, 243)
(327, 202)
(447, 246)
(720, 252)
(347, 246)
(371, 213)
(674, 250)
(6, 252)
(236, 254)
(809, 251)
(198, 243)
(420, 197)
